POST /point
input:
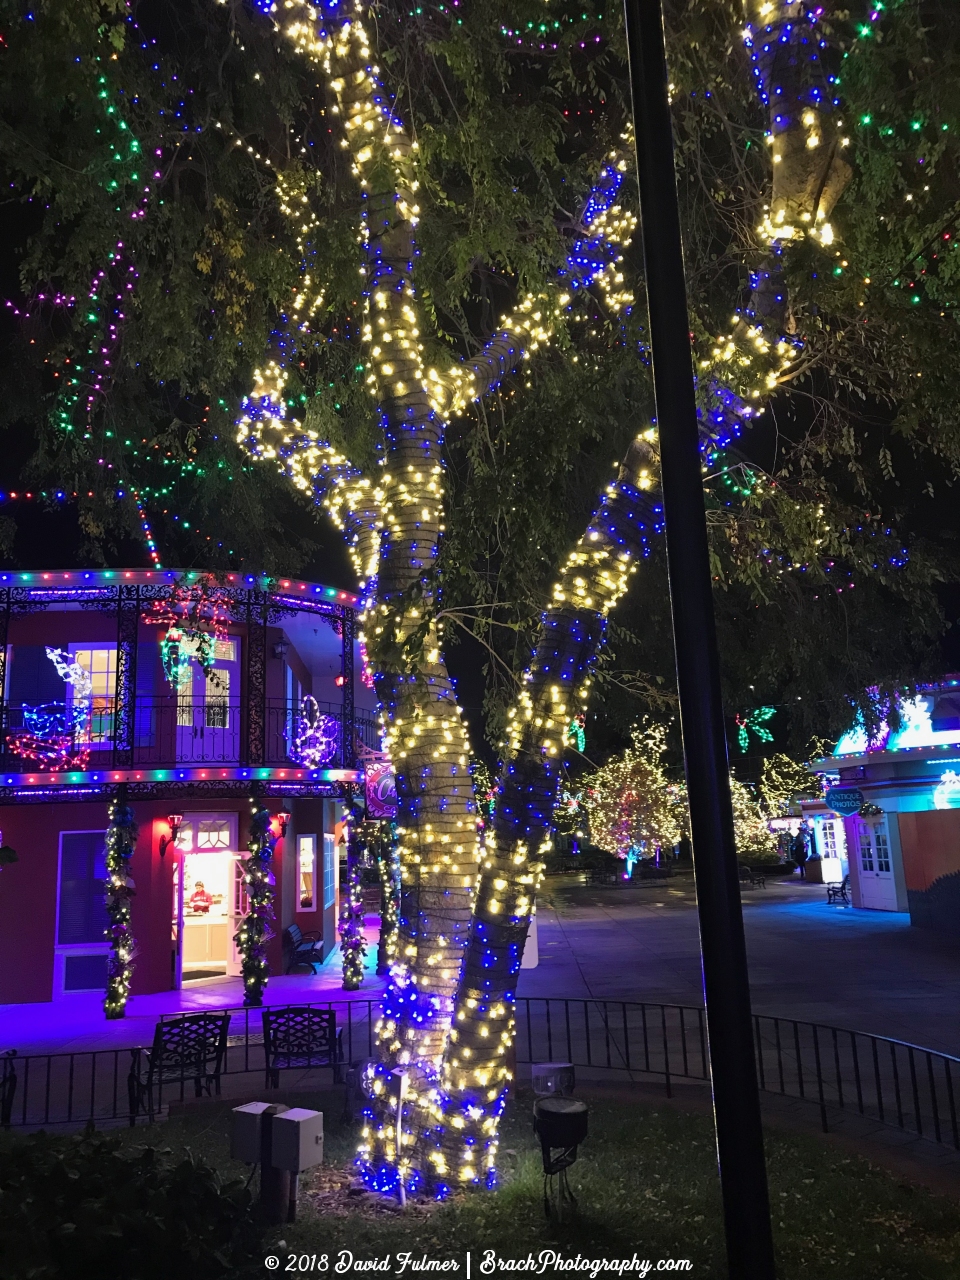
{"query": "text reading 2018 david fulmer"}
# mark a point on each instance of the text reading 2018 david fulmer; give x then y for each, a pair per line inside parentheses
(488, 1263)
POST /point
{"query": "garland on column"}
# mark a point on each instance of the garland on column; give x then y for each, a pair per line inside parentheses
(119, 890)
(388, 864)
(255, 929)
(353, 944)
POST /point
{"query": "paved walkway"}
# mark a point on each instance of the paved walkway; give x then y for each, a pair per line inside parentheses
(865, 970)
(77, 1023)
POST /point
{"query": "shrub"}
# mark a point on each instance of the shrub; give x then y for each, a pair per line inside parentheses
(84, 1206)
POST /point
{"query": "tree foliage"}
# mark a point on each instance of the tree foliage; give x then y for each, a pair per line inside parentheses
(634, 807)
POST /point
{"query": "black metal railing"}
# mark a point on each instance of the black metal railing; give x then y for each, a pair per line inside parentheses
(881, 1079)
(167, 731)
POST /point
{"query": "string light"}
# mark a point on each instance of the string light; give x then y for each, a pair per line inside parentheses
(119, 890)
(256, 926)
(316, 740)
(353, 944)
(59, 733)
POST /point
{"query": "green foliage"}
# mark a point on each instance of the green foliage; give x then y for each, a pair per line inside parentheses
(754, 839)
(784, 780)
(89, 1206)
(632, 803)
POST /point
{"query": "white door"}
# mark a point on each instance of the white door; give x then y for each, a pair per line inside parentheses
(208, 709)
(877, 888)
(208, 898)
(238, 909)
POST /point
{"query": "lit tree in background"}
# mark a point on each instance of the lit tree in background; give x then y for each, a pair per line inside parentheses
(783, 780)
(523, 191)
(751, 824)
(633, 804)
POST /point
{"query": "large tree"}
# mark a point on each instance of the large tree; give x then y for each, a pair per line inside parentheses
(487, 361)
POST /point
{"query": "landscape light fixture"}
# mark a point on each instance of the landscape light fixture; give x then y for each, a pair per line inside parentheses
(561, 1124)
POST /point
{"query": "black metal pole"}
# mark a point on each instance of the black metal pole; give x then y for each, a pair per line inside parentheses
(736, 1101)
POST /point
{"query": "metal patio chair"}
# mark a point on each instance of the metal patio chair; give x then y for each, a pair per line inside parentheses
(838, 892)
(300, 1037)
(188, 1048)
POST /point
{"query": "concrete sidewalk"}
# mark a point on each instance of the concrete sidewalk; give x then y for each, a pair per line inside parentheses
(864, 970)
(77, 1023)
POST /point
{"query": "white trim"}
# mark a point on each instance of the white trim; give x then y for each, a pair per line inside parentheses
(62, 950)
(299, 908)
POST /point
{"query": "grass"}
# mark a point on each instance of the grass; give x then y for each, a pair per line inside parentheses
(646, 1184)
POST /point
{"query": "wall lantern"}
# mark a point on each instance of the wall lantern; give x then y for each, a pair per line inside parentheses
(174, 820)
(280, 648)
(282, 820)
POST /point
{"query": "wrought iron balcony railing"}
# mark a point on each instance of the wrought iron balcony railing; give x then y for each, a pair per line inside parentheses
(167, 731)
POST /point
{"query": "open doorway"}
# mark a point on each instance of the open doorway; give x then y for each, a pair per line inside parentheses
(208, 899)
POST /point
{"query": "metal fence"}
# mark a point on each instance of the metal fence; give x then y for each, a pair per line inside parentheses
(880, 1079)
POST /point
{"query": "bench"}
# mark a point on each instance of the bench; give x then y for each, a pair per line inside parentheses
(755, 879)
(188, 1048)
(297, 1036)
(838, 892)
(305, 948)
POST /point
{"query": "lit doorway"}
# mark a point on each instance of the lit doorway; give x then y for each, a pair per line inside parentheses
(208, 899)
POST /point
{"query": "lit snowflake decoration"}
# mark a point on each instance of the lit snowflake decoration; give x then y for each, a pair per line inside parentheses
(317, 736)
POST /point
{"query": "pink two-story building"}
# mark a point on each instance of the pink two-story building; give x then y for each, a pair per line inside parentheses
(196, 695)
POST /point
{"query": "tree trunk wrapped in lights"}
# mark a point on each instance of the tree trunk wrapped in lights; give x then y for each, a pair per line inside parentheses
(256, 927)
(477, 1074)
(353, 944)
(119, 890)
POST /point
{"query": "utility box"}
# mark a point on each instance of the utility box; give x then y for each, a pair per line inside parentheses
(298, 1140)
(245, 1131)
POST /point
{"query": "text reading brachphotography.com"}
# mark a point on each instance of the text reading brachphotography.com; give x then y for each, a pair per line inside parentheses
(482, 1263)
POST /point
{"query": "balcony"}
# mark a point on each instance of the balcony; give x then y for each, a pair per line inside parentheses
(135, 673)
(171, 731)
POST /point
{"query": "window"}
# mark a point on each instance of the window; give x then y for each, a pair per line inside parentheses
(307, 872)
(292, 696)
(214, 833)
(205, 833)
(866, 849)
(329, 870)
(882, 845)
(208, 705)
(185, 698)
(83, 870)
(216, 706)
(100, 663)
(829, 833)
